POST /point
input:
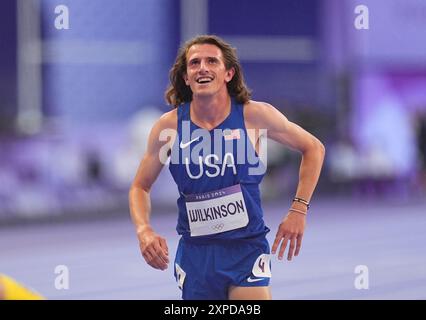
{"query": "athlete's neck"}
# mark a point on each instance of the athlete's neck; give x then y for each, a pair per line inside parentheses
(210, 111)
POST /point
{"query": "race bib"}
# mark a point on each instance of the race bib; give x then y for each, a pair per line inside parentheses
(216, 211)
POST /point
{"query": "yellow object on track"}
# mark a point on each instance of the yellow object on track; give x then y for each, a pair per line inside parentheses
(12, 290)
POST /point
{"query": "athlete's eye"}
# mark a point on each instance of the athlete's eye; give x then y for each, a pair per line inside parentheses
(213, 60)
(194, 62)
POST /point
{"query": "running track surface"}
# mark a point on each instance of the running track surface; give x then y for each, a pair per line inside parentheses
(104, 261)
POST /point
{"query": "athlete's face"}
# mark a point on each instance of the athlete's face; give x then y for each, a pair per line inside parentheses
(206, 73)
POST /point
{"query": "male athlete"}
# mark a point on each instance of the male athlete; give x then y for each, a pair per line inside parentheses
(214, 141)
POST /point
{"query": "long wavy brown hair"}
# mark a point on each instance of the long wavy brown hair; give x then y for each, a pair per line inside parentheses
(178, 92)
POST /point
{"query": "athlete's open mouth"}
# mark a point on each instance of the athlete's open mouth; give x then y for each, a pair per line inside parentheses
(203, 80)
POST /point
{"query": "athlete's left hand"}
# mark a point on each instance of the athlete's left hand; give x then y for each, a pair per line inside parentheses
(291, 229)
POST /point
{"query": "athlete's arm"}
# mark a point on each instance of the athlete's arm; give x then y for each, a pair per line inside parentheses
(153, 247)
(264, 116)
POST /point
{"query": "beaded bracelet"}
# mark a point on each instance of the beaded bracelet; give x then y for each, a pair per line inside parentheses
(306, 203)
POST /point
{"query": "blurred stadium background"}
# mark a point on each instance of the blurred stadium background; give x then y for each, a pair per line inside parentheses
(76, 106)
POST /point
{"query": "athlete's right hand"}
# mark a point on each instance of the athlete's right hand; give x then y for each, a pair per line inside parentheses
(153, 248)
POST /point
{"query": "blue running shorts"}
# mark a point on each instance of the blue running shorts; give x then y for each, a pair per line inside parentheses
(206, 271)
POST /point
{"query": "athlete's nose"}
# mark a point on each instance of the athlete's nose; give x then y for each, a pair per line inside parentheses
(203, 66)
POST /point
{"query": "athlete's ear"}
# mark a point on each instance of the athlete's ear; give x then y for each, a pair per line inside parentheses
(229, 74)
(185, 78)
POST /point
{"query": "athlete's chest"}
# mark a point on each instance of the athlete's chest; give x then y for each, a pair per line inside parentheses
(210, 154)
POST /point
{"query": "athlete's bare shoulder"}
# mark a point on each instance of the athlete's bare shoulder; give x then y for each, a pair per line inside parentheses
(168, 120)
(163, 132)
(258, 113)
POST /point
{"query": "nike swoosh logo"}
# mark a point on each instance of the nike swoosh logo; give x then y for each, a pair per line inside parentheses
(184, 145)
(249, 279)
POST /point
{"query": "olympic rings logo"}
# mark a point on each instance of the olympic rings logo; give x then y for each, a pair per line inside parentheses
(218, 227)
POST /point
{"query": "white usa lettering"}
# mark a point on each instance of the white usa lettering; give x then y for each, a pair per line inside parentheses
(212, 170)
